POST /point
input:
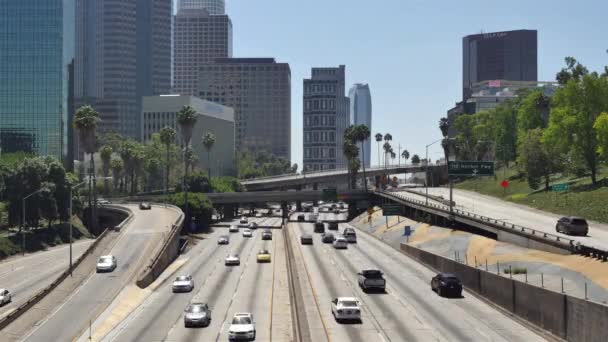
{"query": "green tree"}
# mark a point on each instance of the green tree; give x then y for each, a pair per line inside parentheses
(601, 129)
(105, 152)
(360, 134)
(573, 71)
(117, 167)
(535, 159)
(198, 206)
(351, 152)
(415, 159)
(379, 138)
(86, 120)
(48, 203)
(576, 107)
(61, 184)
(128, 151)
(186, 118)
(533, 112)
(167, 137)
(387, 149)
(405, 155)
(208, 142)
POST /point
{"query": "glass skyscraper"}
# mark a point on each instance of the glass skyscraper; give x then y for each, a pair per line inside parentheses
(214, 7)
(36, 76)
(361, 114)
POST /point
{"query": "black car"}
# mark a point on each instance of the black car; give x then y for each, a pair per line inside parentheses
(572, 225)
(328, 238)
(267, 235)
(332, 226)
(301, 218)
(319, 227)
(447, 284)
(306, 239)
(145, 206)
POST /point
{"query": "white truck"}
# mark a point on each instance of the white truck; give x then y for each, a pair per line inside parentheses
(372, 279)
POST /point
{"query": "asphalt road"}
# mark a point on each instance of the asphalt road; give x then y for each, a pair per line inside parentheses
(409, 311)
(132, 249)
(516, 214)
(25, 275)
(249, 287)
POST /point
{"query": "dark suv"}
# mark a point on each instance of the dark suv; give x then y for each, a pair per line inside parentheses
(332, 226)
(301, 218)
(319, 227)
(446, 284)
(572, 225)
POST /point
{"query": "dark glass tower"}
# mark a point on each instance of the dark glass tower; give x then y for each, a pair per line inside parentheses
(36, 75)
(510, 55)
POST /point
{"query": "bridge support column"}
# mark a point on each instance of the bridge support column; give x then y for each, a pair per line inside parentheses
(284, 212)
(352, 210)
(315, 186)
(298, 205)
(229, 211)
(298, 187)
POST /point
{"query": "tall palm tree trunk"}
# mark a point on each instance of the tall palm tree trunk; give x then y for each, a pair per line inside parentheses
(363, 165)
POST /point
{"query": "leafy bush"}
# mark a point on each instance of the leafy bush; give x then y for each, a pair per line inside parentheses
(516, 270)
(199, 205)
(225, 184)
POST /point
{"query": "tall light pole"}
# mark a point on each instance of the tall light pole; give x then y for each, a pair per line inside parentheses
(426, 170)
(23, 218)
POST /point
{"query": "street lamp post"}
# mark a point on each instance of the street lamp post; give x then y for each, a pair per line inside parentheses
(426, 172)
(23, 218)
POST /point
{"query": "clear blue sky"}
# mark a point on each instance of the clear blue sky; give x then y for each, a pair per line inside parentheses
(409, 51)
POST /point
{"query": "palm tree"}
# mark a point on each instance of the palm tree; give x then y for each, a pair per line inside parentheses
(117, 166)
(361, 134)
(86, 120)
(186, 118)
(406, 155)
(393, 155)
(444, 126)
(167, 137)
(387, 148)
(105, 152)
(127, 154)
(351, 152)
(208, 142)
(379, 140)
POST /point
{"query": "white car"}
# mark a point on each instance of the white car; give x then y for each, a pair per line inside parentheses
(258, 215)
(253, 225)
(106, 263)
(233, 229)
(340, 242)
(247, 232)
(346, 308)
(5, 296)
(183, 284)
(243, 220)
(242, 327)
(232, 260)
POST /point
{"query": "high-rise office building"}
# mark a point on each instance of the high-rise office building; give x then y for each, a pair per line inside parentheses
(123, 52)
(326, 117)
(259, 91)
(198, 38)
(361, 114)
(214, 7)
(510, 55)
(36, 77)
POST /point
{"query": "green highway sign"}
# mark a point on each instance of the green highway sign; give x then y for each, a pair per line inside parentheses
(470, 168)
(329, 195)
(560, 187)
(391, 210)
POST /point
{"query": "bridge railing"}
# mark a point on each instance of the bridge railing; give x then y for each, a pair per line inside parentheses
(573, 245)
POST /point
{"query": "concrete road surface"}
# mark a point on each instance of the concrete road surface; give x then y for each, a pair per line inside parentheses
(133, 250)
(516, 214)
(25, 275)
(250, 287)
(409, 311)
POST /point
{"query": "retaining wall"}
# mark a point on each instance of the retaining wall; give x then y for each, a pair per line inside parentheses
(564, 316)
(165, 256)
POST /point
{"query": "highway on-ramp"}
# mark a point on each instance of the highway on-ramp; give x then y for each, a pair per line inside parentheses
(133, 250)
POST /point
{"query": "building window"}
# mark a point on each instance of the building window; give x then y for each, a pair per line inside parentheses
(332, 153)
(332, 136)
(332, 104)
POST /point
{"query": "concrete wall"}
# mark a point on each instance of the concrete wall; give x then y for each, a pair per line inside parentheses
(567, 317)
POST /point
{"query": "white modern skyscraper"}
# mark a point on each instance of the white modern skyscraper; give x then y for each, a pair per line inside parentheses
(361, 114)
(214, 7)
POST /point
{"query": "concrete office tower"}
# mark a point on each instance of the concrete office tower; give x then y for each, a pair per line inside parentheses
(36, 77)
(361, 114)
(160, 111)
(198, 38)
(214, 7)
(259, 90)
(123, 52)
(326, 117)
(510, 55)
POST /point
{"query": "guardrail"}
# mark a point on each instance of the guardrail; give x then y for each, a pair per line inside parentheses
(565, 243)
(20, 310)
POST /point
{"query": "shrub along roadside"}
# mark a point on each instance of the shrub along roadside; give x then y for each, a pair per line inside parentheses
(199, 205)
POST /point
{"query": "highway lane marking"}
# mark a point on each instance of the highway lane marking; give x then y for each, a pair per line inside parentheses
(274, 251)
(314, 291)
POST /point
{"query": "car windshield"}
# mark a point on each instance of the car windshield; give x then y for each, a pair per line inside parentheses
(348, 303)
(241, 320)
(372, 274)
(579, 221)
(451, 279)
(182, 278)
(105, 259)
(263, 251)
(196, 309)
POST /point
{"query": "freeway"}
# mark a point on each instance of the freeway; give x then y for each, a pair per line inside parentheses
(516, 214)
(409, 311)
(132, 249)
(251, 287)
(24, 276)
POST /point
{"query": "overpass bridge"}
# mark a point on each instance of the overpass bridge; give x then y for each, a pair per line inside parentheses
(297, 181)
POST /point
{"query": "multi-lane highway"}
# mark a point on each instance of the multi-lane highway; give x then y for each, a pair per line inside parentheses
(25, 276)
(132, 250)
(515, 214)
